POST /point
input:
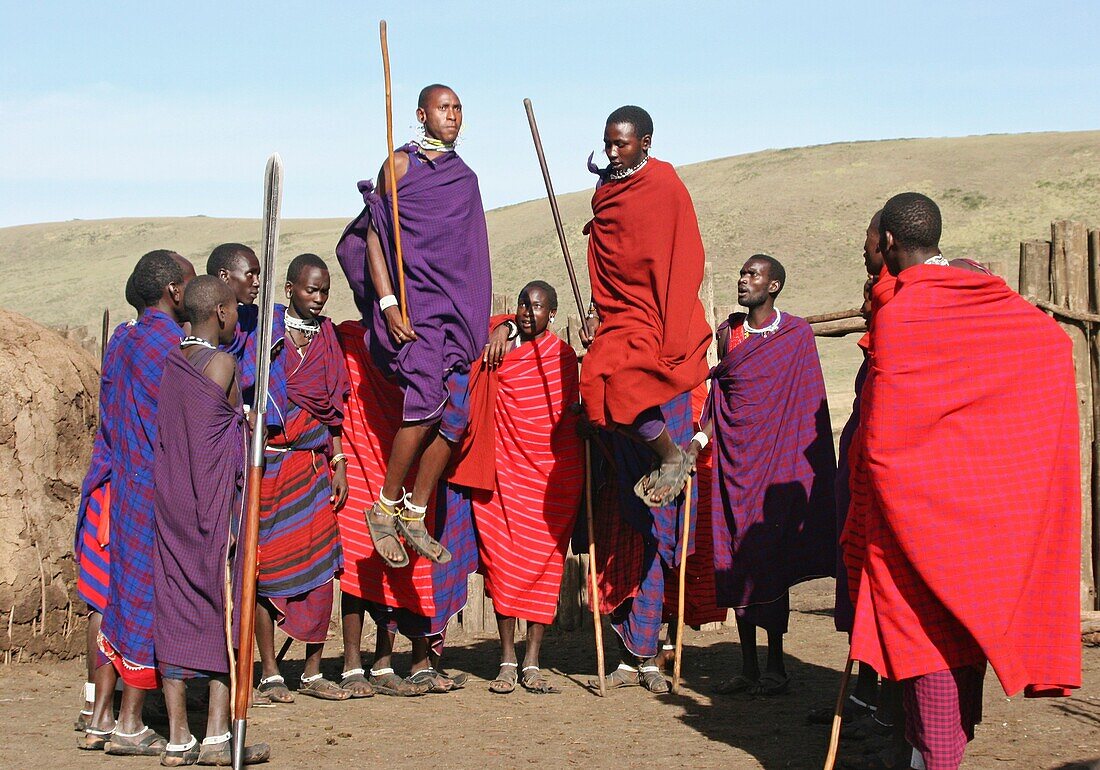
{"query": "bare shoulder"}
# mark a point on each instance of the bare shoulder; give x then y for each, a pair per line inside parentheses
(222, 369)
(401, 166)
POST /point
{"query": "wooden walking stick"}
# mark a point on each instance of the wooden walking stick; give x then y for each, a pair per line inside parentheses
(249, 530)
(105, 332)
(838, 715)
(392, 175)
(593, 587)
(682, 590)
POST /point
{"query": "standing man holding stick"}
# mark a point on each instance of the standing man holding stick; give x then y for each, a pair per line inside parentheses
(645, 261)
(445, 269)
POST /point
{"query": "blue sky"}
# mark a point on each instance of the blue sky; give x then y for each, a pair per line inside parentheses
(170, 109)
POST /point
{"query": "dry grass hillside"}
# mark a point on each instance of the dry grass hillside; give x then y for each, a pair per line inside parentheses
(807, 206)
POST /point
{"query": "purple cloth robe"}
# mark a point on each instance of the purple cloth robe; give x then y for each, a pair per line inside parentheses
(774, 513)
(198, 472)
(445, 246)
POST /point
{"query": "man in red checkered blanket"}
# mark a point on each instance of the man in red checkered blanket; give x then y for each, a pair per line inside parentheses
(968, 549)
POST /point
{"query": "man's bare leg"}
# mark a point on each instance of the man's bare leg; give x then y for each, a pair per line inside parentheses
(750, 665)
(409, 443)
(129, 711)
(351, 624)
(217, 710)
(91, 636)
(175, 701)
(669, 454)
(775, 655)
(105, 678)
(265, 640)
(508, 674)
(421, 661)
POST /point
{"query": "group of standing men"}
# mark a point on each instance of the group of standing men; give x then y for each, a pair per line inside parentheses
(406, 450)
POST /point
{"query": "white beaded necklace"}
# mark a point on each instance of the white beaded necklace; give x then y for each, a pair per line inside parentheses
(308, 328)
(192, 341)
(628, 172)
(769, 329)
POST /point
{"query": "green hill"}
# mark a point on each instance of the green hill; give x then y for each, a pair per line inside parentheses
(808, 206)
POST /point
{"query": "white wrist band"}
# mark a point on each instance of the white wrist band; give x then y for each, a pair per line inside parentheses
(387, 301)
(702, 439)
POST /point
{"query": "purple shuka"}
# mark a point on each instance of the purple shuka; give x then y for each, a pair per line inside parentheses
(198, 474)
(445, 247)
(774, 513)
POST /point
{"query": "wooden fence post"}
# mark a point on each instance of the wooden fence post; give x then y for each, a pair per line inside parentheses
(473, 616)
(1070, 287)
(1035, 269)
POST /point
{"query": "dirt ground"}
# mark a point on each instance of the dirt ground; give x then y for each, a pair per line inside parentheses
(473, 728)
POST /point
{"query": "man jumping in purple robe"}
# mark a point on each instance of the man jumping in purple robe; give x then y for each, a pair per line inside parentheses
(774, 513)
(198, 478)
(448, 285)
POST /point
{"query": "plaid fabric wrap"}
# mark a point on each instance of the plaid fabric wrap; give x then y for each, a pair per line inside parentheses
(634, 543)
(93, 560)
(128, 618)
(972, 549)
(941, 710)
(773, 505)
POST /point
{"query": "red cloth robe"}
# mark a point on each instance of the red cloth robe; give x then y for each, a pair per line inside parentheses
(536, 467)
(645, 261)
(970, 547)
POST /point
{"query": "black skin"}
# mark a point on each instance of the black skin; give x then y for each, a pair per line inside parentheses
(533, 315)
(244, 277)
(133, 699)
(441, 118)
(872, 256)
(306, 298)
(218, 329)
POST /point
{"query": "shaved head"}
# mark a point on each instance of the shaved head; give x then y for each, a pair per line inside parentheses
(203, 295)
(427, 92)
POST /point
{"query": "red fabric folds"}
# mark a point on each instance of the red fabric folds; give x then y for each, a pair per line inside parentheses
(969, 547)
(645, 260)
(372, 415)
(525, 519)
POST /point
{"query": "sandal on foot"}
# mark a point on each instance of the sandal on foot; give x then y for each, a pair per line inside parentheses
(354, 680)
(623, 676)
(418, 538)
(772, 684)
(275, 690)
(436, 682)
(180, 754)
(458, 681)
(216, 751)
(144, 743)
(317, 686)
(379, 531)
(533, 681)
(94, 740)
(82, 720)
(672, 475)
(738, 684)
(506, 679)
(386, 682)
(854, 709)
(259, 700)
(651, 678)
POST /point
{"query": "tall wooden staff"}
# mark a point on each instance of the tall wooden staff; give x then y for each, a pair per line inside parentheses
(104, 333)
(249, 530)
(392, 175)
(593, 588)
(682, 595)
(838, 715)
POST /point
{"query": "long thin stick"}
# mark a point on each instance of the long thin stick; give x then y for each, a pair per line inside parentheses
(392, 175)
(250, 526)
(105, 333)
(682, 595)
(838, 715)
(554, 206)
(593, 587)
